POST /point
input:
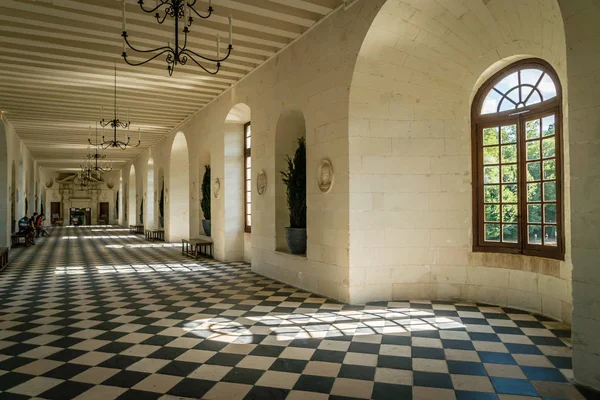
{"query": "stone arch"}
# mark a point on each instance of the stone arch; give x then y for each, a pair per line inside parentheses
(178, 198)
(291, 125)
(410, 163)
(4, 189)
(150, 196)
(132, 203)
(229, 225)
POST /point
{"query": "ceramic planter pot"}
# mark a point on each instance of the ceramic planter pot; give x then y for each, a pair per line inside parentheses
(296, 240)
(206, 226)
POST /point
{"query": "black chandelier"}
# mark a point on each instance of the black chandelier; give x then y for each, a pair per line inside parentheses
(114, 124)
(177, 54)
(96, 161)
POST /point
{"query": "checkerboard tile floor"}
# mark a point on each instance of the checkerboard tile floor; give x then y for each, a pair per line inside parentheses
(95, 313)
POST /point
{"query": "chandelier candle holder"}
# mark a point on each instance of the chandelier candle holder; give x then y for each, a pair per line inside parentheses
(177, 54)
(115, 123)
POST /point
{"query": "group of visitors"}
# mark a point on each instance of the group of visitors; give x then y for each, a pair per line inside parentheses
(32, 227)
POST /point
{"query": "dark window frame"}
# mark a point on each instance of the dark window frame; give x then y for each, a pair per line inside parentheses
(518, 117)
(247, 155)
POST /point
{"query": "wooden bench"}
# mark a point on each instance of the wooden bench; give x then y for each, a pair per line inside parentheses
(155, 234)
(196, 247)
(136, 229)
(3, 257)
(19, 238)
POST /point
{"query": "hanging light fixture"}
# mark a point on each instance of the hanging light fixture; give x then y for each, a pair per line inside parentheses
(96, 161)
(175, 53)
(114, 124)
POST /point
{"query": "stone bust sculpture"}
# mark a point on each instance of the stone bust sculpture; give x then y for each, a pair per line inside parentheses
(325, 176)
(261, 182)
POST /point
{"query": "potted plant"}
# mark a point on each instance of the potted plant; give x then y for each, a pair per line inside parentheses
(161, 206)
(142, 212)
(295, 182)
(205, 202)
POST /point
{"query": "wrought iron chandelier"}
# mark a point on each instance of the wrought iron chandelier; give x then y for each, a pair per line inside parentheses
(176, 54)
(96, 161)
(114, 124)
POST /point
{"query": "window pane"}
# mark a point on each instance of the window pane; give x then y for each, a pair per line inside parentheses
(514, 95)
(535, 234)
(491, 175)
(533, 150)
(248, 197)
(534, 99)
(248, 162)
(492, 213)
(509, 134)
(530, 76)
(550, 235)
(548, 125)
(547, 87)
(249, 220)
(509, 193)
(532, 129)
(492, 232)
(548, 147)
(490, 105)
(248, 143)
(549, 169)
(508, 83)
(533, 171)
(534, 213)
(549, 191)
(510, 213)
(492, 194)
(534, 192)
(490, 136)
(510, 233)
(509, 173)
(506, 105)
(509, 153)
(248, 209)
(490, 155)
(550, 213)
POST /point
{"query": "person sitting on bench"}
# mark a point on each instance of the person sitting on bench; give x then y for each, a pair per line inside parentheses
(26, 229)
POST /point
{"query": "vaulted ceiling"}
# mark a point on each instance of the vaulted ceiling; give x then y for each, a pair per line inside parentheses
(57, 59)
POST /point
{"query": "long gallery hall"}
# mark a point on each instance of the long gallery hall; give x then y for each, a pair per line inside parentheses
(299, 199)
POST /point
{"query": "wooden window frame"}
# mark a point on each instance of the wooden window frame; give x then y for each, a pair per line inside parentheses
(519, 117)
(247, 155)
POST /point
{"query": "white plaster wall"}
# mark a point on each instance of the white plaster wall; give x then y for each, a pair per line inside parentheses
(313, 76)
(14, 151)
(583, 39)
(410, 160)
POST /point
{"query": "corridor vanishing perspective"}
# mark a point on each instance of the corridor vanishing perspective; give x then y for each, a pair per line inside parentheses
(96, 313)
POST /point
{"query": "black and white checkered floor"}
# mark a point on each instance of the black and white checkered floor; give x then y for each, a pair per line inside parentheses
(96, 313)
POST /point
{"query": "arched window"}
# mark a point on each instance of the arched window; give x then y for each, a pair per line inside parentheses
(517, 162)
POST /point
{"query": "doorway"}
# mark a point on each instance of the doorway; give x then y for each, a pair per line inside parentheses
(80, 216)
(103, 214)
(55, 217)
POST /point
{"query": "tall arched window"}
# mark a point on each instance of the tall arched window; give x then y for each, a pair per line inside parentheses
(517, 162)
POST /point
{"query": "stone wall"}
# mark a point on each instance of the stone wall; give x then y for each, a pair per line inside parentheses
(410, 158)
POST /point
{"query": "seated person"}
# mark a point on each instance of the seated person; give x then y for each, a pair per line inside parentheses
(26, 229)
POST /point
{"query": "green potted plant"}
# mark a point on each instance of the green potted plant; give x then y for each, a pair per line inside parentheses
(295, 181)
(161, 206)
(142, 212)
(205, 202)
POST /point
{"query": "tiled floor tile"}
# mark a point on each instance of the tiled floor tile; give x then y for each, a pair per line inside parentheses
(283, 380)
(35, 386)
(472, 383)
(95, 375)
(352, 388)
(158, 383)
